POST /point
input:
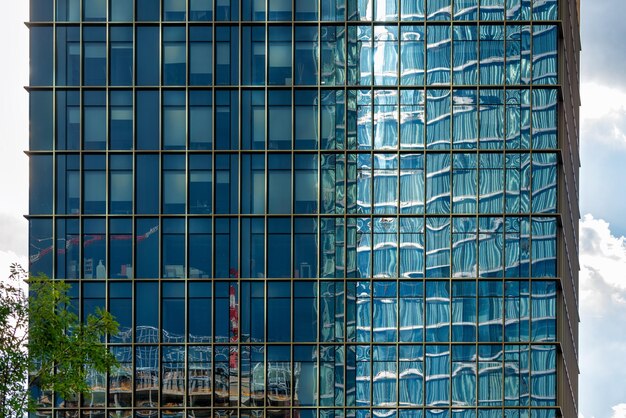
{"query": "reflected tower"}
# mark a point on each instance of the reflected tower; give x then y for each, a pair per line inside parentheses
(313, 208)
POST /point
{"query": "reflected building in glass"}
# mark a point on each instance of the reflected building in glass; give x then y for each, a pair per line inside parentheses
(313, 208)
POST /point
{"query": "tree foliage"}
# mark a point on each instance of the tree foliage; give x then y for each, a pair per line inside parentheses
(44, 342)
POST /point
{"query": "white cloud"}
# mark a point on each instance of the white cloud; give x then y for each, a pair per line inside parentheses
(603, 114)
(603, 313)
(619, 411)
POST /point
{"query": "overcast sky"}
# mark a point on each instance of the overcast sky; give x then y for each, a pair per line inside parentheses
(602, 190)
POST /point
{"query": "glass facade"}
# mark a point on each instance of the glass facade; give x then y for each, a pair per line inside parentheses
(309, 208)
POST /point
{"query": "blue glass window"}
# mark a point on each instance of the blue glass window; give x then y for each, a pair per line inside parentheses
(465, 9)
(364, 121)
(253, 247)
(148, 10)
(200, 120)
(147, 237)
(465, 61)
(543, 375)
(120, 120)
(279, 10)
(279, 247)
(439, 111)
(363, 233)
(332, 55)
(384, 382)
(492, 9)
(544, 183)
(120, 184)
(174, 56)
(253, 119)
(68, 56)
(517, 192)
(439, 10)
(40, 241)
(545, 54)
(491, 183)
(517, 247)
(121, 55)
(305, 359)
(147, 183)
(411, 376)
(253, 311)
(306, 10)
(174, 10)
(68, 247)
(200, 56)
(66, 10)
(200, 10)
(305, 183)
(41, 45)
(226, 10)
(94, 248)
(544, 247)
(174, 199)
(306, 60)
(226, 183)
(279, 183)
(147, 124)
(490, 381)
(278, 311)
(200, 248)
(226, 55)
(94, 120)
(492, 55)
(305, 248)
(544, 119)
(94, 10)
(279, 54)
(545, 10)
(121, 10)
(67, 118)
(411, 247)
(41, 122)
(173, 258)
(385, 187)
(464, 315)
(491, 118)
(413, 10)
(412, 183)
(120, 248)
(305, 310)
(253, 10)
(253, 183)
(363, 299)
(465, 183)
(226, 119)
(200, 183)
(200, 312)
(438, 170)
(226, 245)
(253, 55)
(146, 313)
(41, 10)
(147, 54)
(94, 56)
(544, 302)
(121, 307)
(94, 184)
(516, 379)
(174, 117)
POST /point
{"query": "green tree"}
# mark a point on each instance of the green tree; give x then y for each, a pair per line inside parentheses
(44, 342)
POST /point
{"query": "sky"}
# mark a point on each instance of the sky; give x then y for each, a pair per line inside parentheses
(602, 201)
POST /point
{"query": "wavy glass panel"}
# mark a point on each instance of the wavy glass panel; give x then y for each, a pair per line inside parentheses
(545, 9)
(492, 9)
(465, 183)
(516, 375)
(385, 244)
(465, 60)
(490, 312)
(363, 375)
(491, 183)
(491, 117)
(464, 119)
(545, 54)
(543, 324)
(544, 183)
(464, 303)
(544, 248)
(412, 55)
(465, 9)
(437, 247)
(364, 247)
(513, 55)
(411, 377)
(437, 375)
(464, 252)
(384, 378)
(490, 377)
(516, 311)
(412, 119)
(439, 9)
(517, 247)
(386, 10)
(385, 55)
(364, 183)
(411, 313)
(385, 312)
(437, 312)
(364, 119)
(412, 183)
(332, 55)
(464, 376)
(492, 55)
(439, 115)
(544, 119)
(438, 183)
(543, 375)
(490, 247)
(518, 177)
(411, 247)
(439, 43)
(385, 117)
(385, 183)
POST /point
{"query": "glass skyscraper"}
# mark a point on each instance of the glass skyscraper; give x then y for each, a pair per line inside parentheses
(312, 208)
